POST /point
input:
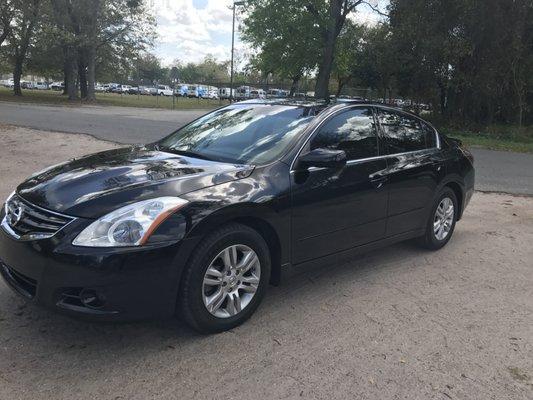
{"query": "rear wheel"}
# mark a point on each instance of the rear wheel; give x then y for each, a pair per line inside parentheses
(226, 279)
(441, 223)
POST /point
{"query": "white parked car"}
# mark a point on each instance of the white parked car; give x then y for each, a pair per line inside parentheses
(224, 93)
(57, 85)
(243, 92)
(164, 90)
(211, 92)
(41, 86)
(257, 94)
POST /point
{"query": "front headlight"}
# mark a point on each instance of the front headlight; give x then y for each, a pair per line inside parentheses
(130, 225)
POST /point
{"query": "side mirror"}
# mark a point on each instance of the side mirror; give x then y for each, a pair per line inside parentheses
(323, 158)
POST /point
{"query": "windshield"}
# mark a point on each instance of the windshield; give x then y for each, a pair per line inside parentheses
(241, 133)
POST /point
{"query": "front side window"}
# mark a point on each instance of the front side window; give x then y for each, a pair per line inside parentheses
(353, 131)
(242, 133)
(403, 133)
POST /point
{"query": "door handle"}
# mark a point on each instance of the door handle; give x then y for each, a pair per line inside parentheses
(379, 182)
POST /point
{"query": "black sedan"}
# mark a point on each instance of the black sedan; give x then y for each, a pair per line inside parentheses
(199, 223)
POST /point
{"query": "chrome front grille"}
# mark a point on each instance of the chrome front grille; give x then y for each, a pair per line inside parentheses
(26, 221)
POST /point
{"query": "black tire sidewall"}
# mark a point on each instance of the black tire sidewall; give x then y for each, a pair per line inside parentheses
(193, 307)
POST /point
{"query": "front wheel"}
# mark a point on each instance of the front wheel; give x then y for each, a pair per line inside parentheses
(226, 279)
(441, 223)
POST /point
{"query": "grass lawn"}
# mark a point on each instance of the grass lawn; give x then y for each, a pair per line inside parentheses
(497, 137)
(111, 99)
(494, 143)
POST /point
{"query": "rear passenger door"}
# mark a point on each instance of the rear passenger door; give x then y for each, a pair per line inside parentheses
(414, 169)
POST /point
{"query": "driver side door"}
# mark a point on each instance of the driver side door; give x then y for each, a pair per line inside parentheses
(335, 209)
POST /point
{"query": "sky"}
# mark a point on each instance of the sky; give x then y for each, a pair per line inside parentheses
(189, 30)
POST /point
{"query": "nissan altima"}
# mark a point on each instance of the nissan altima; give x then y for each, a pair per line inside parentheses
(199, 223)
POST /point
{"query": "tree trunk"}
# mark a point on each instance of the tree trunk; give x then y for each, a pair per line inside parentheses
(72, 65)
(340, 85)
(338, 10)
(326, 66)
(91, 52)
(294, 85)
(91, 74)
(65, 73)
(82, 76)
(28, 24)
(17, 75)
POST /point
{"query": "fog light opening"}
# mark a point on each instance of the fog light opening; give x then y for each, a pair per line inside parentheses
(91, 298)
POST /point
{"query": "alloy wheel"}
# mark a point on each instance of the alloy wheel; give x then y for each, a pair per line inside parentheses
(231, 281)
(443, 221)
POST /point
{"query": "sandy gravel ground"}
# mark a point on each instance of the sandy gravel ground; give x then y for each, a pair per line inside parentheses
(400, 323)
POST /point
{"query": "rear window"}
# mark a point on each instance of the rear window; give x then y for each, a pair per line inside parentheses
(404, 133)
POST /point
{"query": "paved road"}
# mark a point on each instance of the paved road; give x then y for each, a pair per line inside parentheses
(117, 124)
(496, 170)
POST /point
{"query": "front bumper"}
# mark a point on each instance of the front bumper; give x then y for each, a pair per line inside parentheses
(129, 283)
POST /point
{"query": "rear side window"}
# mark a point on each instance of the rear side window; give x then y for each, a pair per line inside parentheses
(403, 133)
(353, 131)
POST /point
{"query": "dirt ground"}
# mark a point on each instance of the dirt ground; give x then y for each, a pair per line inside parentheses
(399, 323)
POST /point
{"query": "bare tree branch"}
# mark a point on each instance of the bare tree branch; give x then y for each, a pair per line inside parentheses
(375, 9)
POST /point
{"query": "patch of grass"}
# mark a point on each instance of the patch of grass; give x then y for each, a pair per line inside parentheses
(111, 99)
(493, 144)
(496, 137)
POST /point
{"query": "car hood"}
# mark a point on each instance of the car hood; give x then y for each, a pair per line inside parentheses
(96, 184)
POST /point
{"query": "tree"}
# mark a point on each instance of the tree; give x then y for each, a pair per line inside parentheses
(6, 16)
(25, 18)
(308, 28)
(286, 38)
(97, 32)
(331, 23)
(348, 54)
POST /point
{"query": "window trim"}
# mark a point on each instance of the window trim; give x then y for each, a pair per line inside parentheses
(326, 118)
(375, 108)
(394, 110)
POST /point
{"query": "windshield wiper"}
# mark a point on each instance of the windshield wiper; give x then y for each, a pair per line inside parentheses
(186, 153)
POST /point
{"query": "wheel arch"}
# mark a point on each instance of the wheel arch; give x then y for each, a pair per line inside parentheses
(257, 217)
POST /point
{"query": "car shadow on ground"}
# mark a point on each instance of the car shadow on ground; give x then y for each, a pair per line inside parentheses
(46, 329)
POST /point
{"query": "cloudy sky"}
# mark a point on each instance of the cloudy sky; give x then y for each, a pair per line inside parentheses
(191, 29)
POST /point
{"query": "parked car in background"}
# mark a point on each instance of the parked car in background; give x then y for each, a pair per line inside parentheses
(112, 87)
(99, 88)
(164, 90)
(192, 91)
(209, 92)
(257, 94)
(197, 91)
(242, 92)
(224, 93)
(57, 86)
(273, 92)
(134, 90)
(149, 91)
(26, 84)
(213, 93)
(181, 90)
(120, 89)
(41, 86)
(200, 222)
(8, 83)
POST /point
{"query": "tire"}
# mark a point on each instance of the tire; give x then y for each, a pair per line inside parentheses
(433, 240)
(195, 293)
